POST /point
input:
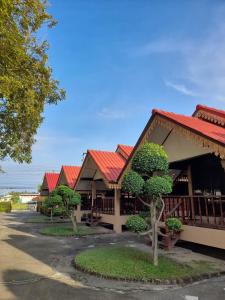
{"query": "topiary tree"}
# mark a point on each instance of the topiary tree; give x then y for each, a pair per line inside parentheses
(64, 199)
(148, 180)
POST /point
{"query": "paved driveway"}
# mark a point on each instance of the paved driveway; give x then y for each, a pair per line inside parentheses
(36, 267)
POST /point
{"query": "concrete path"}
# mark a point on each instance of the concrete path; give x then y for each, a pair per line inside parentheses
(37, 267)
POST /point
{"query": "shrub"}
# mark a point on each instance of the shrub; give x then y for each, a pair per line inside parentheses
(158, 185)
(19, 206)
(133, 183)
(59, 211)
(136, 224)
(173, 224)
(5, 206)
(150, 158)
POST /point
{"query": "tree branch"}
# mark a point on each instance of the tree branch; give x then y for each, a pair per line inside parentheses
(161, 212)
(146, 232)
(145, 203)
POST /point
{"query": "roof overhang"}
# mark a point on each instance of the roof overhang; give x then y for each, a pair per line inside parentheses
(168, 128)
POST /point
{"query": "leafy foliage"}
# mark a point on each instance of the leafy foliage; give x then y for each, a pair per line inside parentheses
(5, 206)
(26, 82)
(157, 185)
(173, 224)
(150, 158)
(136, 224)
(133, 183)
(69, 196)
(62, 202)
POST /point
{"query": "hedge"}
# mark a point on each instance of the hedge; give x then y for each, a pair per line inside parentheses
(5, 206)
(19, 206)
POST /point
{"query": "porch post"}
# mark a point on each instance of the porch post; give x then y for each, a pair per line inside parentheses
(117, 226)
(93, 192)
(190, 190)
(223, 164)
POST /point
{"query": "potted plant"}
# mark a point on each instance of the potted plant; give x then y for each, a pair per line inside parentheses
(173, 230)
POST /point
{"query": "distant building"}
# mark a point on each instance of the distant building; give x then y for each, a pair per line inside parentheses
(25, 198)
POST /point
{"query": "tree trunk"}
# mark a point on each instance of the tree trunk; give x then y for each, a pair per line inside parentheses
(74, 221)
(154, 224)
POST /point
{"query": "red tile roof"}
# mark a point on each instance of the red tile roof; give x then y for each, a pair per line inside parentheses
(125, 149)
(51, 179)
(109, 163)
(214, 111)
(71, 174)
(209, 130)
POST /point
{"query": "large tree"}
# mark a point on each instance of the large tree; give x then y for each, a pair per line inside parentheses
(26, 82)
(148, 180)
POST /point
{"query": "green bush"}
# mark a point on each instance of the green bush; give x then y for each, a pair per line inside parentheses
(173, 224)
(133, 183)
(59, 211)
(150, 158)
(136, 224)
(5, 206)
(157, 185)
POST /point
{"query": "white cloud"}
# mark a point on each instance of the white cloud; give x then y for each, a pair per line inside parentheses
(163, 46)
(111, 114)
(181, 88)
(199, 68)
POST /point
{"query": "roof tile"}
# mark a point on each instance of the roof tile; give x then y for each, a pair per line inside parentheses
(51, 179)
(209, 130)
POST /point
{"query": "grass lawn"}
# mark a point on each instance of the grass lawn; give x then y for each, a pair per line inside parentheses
(67, 230)
(39, 219)
(133, 264)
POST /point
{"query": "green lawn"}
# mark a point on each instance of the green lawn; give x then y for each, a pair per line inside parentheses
(67, 230)
(133, 264)
(39, 219)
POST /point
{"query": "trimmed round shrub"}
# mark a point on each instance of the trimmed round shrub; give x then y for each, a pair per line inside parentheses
(133, 183)
(158, 185)
(136, 224)
(173, 224)
(150, 158)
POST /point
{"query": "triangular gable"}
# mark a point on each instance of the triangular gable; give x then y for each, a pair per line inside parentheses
(101, 165)
(49, 181)
(204, 137)
(68, 175)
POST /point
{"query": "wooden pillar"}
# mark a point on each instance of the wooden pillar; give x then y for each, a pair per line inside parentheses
(223, 164)
(93, 192)
(117, 226)
(190, 190)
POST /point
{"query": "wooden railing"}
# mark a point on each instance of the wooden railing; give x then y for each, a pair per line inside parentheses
(131, 206)
(104, 205)
(206, 211)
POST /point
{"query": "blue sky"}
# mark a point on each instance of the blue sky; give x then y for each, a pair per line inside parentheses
(117, 60)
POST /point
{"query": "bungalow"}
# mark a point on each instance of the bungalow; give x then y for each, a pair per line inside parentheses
(68, 175)
(97, 179)
(196, 150)
(49, 183)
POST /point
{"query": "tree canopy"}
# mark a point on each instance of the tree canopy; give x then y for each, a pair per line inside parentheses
(26, 82)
